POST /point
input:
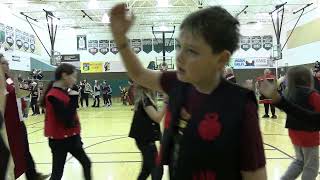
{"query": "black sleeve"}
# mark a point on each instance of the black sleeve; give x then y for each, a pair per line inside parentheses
(296, 110)
(64, 113)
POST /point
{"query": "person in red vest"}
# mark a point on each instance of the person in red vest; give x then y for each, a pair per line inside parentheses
(62, 126)
(267, 101)
(16, 129)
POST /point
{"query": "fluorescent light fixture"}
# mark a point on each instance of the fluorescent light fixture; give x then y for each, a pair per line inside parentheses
(163, 3)
(105, 18)
(93, 4)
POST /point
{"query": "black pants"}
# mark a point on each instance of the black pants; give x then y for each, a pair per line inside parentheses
(34, 105)
(84, 96)
(96, 101)
(266, 109)
(4, 160)
(60, 149)
(31, 172)
(109, 100)
(105, 99)
(149, 154)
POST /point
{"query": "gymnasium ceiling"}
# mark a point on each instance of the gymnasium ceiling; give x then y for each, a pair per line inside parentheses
(148, 12)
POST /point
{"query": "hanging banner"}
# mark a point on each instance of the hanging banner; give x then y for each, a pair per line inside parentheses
(245, 43)
(256, 42)
(251, 63)
(92, 67)
(9, 39)
(176, 44)
(157, 45)
(93, 47)
(113, 47)
(169, 44)
(81, 42)
(104, 46)
(267, 42)
(147, 45)
(136, 45)
(19, 41)
(2, 34)
(32, 43)
(26, 42)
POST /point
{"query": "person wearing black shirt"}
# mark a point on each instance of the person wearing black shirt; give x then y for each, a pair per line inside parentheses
(145, 129)
(35, 94)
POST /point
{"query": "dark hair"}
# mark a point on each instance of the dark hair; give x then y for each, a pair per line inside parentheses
(217, 27)
(63, 68)
(299, 76)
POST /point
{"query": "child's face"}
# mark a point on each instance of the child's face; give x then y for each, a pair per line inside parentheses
(195, 60)
(318, 74)
(70, 80)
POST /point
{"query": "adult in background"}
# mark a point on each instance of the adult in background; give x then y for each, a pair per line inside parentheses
(316, 71)
(267, 102)
(96, 93)
(109, 95)
(105, 93)
(229, 75)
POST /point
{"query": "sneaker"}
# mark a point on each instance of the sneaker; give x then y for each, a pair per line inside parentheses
(274, 117)
(266, 116)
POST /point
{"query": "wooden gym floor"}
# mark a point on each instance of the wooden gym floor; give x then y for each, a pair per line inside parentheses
(114, 156)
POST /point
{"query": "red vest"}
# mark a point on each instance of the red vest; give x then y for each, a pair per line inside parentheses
(53, 127)
(15, 132)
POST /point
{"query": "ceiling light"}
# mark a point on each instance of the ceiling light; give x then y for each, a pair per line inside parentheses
(258, 26)
(105, 18)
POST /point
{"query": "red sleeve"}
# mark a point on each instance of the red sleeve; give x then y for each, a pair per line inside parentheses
(252, 155)
(314, 101)
(168, 81)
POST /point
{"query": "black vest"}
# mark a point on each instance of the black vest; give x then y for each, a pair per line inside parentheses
(301, 97)
(189, 153)
(143, 128)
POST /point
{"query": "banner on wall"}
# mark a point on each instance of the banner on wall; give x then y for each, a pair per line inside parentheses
(113, 47)
(2, 34)
(136, 45)
(102, 66)
(147, 45)
(176, 43)
(245, 43)
(267, 42)
(32, 43)
(93, 47)
(252, 63)
(19, 42)
(256, 42)
(9, 44)
(73, 59)
(169, 44)
(81, 42)
(104, 46)
(92, 67)
(26, 44)
(157, 45)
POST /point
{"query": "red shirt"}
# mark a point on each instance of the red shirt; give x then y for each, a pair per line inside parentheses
(252, 152)
(305, 138)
